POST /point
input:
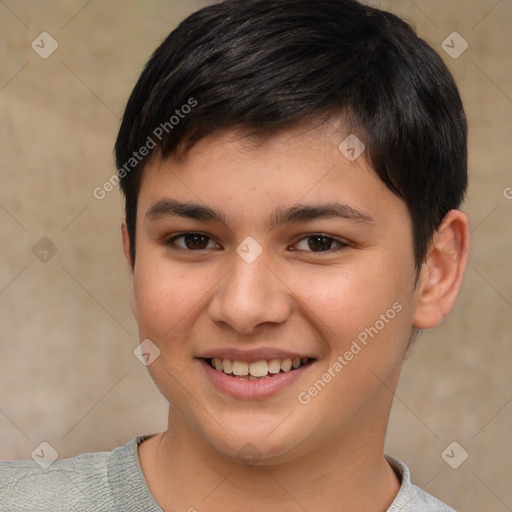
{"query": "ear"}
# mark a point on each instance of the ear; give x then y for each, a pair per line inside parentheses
(127, 254)
(441, 274)
(126, 245)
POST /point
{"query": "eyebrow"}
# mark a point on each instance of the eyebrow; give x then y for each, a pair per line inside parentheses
(293, 214)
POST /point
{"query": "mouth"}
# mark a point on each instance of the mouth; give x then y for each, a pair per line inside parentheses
(257, 370)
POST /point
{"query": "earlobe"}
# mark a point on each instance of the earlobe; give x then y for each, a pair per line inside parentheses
(441, 274)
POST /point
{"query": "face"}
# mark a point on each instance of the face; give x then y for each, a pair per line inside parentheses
(276, 278)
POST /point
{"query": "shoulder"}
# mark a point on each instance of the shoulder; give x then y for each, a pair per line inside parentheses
(72, 484)
(86, 483)
(411, 498)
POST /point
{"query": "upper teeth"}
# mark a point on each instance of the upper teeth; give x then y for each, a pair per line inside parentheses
(258, 368)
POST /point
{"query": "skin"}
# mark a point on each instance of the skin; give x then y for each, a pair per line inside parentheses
(325, 455)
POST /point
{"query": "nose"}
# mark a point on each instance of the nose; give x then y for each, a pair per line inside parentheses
(250, 296)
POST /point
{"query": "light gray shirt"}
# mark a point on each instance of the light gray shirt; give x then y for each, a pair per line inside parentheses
(113, 482)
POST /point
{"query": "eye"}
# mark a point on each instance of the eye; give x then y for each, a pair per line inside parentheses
(312, 243)
(191, 241)
(320, 243)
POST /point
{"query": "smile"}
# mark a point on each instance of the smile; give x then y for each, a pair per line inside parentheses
(257, 369)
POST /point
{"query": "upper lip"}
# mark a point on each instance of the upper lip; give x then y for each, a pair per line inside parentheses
(252, 355)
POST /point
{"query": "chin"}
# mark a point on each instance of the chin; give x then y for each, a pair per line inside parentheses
(255, 445)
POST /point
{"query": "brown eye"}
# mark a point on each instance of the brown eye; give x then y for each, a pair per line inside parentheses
(196, 241)
(320, 243)
(190, 241)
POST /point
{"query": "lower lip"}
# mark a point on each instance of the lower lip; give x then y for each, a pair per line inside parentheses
(252, 389)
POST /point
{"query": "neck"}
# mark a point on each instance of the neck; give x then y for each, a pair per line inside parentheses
(348, 469)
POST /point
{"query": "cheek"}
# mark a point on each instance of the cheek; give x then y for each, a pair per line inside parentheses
(166, 299)
(164, 294)
(368, 303)
(343, 300)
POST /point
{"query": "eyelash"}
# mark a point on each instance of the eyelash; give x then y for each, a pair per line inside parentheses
(341, 244)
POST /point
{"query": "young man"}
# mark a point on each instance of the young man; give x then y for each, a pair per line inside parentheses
(292, 171)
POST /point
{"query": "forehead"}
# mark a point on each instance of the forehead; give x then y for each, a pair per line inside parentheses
(316, 135)
(245, 154)
(237, 170)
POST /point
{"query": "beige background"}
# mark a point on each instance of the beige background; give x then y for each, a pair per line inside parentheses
(67, 371)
